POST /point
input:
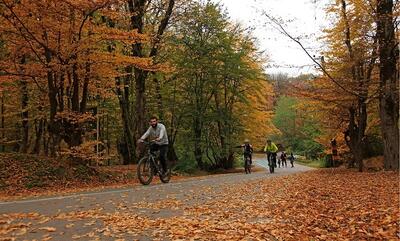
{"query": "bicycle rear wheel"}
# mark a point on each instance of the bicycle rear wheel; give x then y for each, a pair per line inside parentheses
(247, 165)
(145, 171)
(271, 166)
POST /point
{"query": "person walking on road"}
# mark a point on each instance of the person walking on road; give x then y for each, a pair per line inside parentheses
(291, 159)
(283, 159)
(279, 156)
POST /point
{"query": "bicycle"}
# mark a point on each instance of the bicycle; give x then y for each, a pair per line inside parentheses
(150, 165)
(271, 157)
(247, 164)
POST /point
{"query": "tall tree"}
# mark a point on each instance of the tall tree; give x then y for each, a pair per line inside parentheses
(62, 47)
(389, 82)
(151, 18)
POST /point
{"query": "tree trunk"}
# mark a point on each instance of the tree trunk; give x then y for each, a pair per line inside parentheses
(354, 136)
(358, 116)
(85, 89)
(24, 113)
(389, 83)
(39, 127)
(140, 104)
(126, 145)
(137, 10)
(75, 87)
(2, 121)
(198, 152)
(52, 93)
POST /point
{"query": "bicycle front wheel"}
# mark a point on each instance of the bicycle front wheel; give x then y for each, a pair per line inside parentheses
(144, 171)
(271, 166)
(166, 177)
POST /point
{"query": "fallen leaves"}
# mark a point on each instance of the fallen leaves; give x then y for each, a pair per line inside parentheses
(332, 204)
(48, 229)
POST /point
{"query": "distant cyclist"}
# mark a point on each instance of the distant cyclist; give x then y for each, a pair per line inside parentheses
(271, 149)
(247, 150)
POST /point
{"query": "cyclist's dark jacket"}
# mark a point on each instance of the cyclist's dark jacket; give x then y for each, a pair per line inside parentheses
(247, 149)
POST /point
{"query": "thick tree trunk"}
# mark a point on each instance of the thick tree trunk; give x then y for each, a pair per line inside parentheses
(85, 89)
(75, 88)
(140, 104)
(39, 127)
(126, 145)
(389, 83)
(52, 94)
(354, 135)
(358, 116)
(137, 10)
(2, 121)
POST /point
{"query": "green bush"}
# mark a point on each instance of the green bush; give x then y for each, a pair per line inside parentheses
(317, 163)
(186, 164)
(373, 146)
(239, 162)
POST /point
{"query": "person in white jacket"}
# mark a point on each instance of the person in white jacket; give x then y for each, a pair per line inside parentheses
(158, 133)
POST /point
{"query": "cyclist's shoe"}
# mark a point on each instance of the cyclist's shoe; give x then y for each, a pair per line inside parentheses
(164, 173)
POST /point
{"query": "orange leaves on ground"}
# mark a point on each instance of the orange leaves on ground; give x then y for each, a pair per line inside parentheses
(48, 229)
(334, 204)
(328, 204)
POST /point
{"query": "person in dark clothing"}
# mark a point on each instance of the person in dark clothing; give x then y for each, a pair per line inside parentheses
(283, 159)
(291, 159)
(247, 150)
(334, 151)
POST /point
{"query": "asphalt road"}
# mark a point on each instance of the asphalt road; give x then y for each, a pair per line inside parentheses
(56, 217)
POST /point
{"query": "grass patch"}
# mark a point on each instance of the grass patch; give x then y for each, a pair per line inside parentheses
(317, 163)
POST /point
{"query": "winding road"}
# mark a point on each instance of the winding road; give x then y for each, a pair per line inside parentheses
(50, 217)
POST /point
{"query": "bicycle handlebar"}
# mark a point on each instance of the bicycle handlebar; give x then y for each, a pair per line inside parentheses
(147, 142)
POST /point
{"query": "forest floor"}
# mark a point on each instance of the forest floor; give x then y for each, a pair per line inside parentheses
(298, 203)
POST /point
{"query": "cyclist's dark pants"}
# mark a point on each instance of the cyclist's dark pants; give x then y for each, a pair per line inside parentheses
(246, 154)
(272, 157)
(163, 156)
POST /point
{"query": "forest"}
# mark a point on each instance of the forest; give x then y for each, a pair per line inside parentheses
(80, 79)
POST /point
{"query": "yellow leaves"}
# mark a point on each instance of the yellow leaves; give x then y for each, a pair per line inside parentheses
(127, 37)
(44, 220)
(70, 225)
(257, 114)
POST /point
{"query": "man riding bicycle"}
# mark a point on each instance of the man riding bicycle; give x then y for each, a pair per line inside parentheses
(271, 150)
(158, 134)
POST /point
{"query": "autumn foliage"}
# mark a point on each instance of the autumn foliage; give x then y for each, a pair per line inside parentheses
(61, 59)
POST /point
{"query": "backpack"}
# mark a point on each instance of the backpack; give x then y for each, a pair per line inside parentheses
(247, 148)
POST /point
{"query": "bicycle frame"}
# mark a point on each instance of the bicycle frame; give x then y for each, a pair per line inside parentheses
(155, 165)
